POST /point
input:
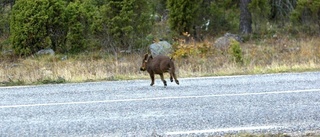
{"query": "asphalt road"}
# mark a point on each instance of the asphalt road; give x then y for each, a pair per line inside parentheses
(272, 103)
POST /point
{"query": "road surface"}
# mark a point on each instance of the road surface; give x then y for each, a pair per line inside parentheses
(271, 103)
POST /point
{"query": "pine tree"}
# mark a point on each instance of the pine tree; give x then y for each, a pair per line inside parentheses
(122, 24)
(183, 15)
(29, 24)
(57, 24)
(307, 15)
(245, 17)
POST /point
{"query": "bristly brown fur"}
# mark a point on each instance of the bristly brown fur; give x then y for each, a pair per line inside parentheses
(159, 65)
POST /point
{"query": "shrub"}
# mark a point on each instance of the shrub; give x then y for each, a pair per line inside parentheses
(236, 52)
(184, 50)
(30, 25)
(52, 81)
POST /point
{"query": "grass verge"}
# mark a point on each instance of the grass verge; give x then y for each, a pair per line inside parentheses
(192, 60)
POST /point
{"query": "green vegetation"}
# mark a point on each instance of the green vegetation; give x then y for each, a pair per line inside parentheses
(104, 40)
(183, 14)
(122, 24)
(75, 26)
(43, 24)
(236, 52)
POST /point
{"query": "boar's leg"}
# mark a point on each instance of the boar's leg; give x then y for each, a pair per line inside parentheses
(152, 79)
(162, 78)
(171, 79)
(175, 78)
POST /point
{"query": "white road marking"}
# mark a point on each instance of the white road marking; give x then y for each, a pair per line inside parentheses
(13, 87)
(162, 98)
(216, 77)
(222, 130)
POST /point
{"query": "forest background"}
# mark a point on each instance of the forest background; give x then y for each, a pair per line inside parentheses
(106, 39)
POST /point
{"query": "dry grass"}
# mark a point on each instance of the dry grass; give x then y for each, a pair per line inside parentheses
(265, 56)
(36, 70)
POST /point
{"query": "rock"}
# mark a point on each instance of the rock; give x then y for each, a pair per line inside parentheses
(161, 48)
(65, 57)
(125, 51)
(223, 43)
(7, 52)
(46, 52)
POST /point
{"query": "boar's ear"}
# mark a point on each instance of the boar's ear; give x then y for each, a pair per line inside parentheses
(145, 56)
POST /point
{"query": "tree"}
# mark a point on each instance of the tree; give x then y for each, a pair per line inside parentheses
(4, 20)
(57, 24)
(245, 17)
(159, 7)
(28, 25)
(3, 3)
(79, 16)
(122, 24)
(223, 15)
(56, 27)
(260, 11)
(281, 9)
(307, 14)
(183, 15)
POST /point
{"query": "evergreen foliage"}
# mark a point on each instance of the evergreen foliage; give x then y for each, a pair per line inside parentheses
(79, 17)
(223, 16)
(260, 10)
(183, 15)
(73, 26)
(236, 52)
(307, 14)
(281, 9)
(28, 26)
(121, 24)
(52, 24)
(4, 20)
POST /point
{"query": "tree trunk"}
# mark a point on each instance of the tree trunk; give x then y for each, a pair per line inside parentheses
(245, 17)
